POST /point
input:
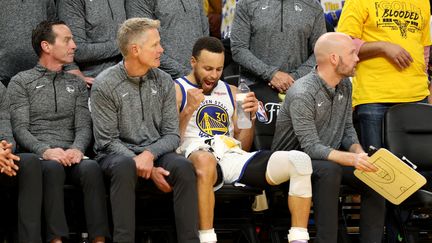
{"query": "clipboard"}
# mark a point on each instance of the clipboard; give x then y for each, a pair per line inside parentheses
(394, 180)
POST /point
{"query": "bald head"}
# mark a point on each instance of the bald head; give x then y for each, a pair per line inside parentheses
(331, 43)
(336, 57)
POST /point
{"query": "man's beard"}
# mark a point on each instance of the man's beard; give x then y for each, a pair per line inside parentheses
(199, 83)
(340, 67)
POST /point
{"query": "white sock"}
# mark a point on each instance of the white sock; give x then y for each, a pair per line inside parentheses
(207, 236)
(298, 233)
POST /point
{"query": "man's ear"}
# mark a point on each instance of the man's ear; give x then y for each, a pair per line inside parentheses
(45, 46)
(133, 49)
(193, 61)
(334, 59)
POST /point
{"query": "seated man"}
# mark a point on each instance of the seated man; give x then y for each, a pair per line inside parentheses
(316, 117)
(8, 170)
(203, 98)
(136, 132)
(29, 174)
(51, 122)
(8, 160)
(7, 143)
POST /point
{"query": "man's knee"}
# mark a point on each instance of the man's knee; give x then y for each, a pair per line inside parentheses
(90, 171)
(53, 171)
(122, 168)
(327, 172)
(181, 170)
(293, 165)
(204, 164)
(29, 163)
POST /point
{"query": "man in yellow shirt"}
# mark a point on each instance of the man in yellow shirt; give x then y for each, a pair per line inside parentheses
(393, 39)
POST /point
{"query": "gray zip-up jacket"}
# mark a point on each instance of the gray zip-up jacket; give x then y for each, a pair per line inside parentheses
(273, 35)
(133, 114)
(94, 25)
(315, 118)
(49, 110)
(18, 19)
(5, 125)
(183, 22)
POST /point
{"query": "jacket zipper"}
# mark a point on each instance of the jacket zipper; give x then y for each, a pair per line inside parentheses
(142, 103)
(55, 93)
(184, 8)
(282, 15)
(109, 6)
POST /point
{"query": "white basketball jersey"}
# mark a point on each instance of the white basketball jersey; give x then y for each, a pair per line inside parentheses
(213, 117)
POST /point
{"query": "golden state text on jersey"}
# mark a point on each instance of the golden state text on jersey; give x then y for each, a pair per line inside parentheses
(212, 119)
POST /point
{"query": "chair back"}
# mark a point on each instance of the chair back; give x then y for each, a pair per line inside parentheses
(407, 131)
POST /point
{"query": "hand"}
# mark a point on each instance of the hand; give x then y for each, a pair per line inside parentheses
(144, 164)
(5, 145)
(7, 164)
(281, 81)
(89, 81)
(194, 98)
(360, 162)
(74, 155)
(398, 55)
(250, 104)
(58, 155)
(158, 176)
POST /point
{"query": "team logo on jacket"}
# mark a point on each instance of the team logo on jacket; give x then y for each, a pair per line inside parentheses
(212, 120)
(70, 89)
(298, 7)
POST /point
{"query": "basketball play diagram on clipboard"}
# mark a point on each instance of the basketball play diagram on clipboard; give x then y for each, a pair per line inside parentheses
(394, 180)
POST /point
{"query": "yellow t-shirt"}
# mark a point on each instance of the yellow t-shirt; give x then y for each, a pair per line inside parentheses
(402, 22)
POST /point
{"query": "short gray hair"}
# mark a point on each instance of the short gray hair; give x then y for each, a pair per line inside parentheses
(133, 28)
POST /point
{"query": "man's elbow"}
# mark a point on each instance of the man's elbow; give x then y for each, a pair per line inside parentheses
(315, 153)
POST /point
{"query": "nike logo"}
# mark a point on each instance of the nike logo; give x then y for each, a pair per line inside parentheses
(298, 7)
(340, 96)
(40, 86)
(320, 104)
(264, 7)
(123, 95)
(153, 91)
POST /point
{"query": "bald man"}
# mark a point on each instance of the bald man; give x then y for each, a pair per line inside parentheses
(316, 117)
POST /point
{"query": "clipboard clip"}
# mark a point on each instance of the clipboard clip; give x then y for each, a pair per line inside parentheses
(371, 150)
(406, 160)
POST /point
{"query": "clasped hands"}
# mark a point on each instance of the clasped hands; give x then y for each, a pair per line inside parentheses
(7, 159)
(145, 169)
(66, 157)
